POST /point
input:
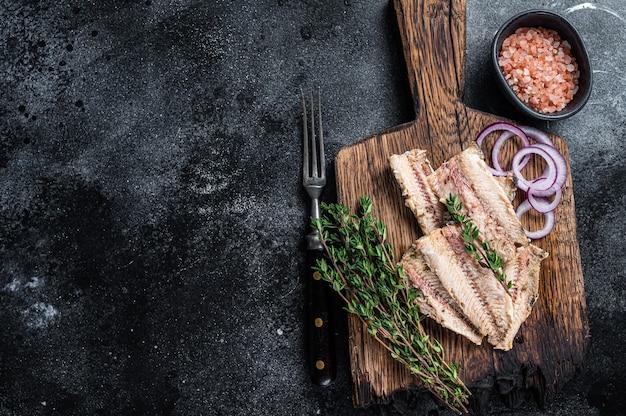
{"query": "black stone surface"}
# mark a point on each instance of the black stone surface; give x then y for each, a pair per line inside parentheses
(151, 212)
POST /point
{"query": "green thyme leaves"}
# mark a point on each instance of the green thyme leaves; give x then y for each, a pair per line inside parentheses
(486, 257)
(359, 265)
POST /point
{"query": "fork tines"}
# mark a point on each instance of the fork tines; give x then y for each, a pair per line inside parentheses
(313, 166)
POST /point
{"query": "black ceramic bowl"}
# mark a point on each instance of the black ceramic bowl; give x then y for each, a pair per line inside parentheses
(547, 20)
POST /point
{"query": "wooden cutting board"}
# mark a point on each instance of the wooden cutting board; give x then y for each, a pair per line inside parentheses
(551, 344)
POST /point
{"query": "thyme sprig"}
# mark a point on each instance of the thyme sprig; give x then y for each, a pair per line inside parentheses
(481, 251)
(359, 265)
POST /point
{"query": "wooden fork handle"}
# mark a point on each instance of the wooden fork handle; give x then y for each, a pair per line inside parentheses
(322, 357)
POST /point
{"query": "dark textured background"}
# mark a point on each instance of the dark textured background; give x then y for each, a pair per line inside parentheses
(152, 213)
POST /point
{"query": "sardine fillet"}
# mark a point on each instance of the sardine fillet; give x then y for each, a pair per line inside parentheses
(467, 299)
(411, 170)
(481, 297)
(523, 273)
(483, 199)
(455, 290)
(435, 301)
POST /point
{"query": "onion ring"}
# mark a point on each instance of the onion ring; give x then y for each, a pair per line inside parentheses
(497, 146)
(548, 223)
(539, 190)
(543, 205)
(537, 135)
(498, 126)
(550, 172)
(559, 161)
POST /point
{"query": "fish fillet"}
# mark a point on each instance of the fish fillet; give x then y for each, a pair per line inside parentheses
(481, 297)
(435, 301)
(483, 199)
(411, 170)
(524, 275)
(455, 290)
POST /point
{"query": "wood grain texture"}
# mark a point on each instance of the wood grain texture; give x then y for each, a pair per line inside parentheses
(551, 344)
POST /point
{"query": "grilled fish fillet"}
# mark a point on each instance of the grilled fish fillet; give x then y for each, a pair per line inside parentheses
(455, 290)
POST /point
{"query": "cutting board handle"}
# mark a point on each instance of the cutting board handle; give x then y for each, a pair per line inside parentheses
(433, 37)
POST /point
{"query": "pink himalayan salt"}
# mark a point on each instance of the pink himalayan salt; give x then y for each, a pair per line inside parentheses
(539, 68)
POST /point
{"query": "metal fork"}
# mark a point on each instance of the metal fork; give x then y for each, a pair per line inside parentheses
(321, 351)
(313, 160)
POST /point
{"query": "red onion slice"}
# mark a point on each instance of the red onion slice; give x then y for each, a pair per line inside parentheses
(497, 146)
(540, 189)
(537, 135)
(559, 161)
(548, 221)
(550, 174)
(543, 205)
(500, 126)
